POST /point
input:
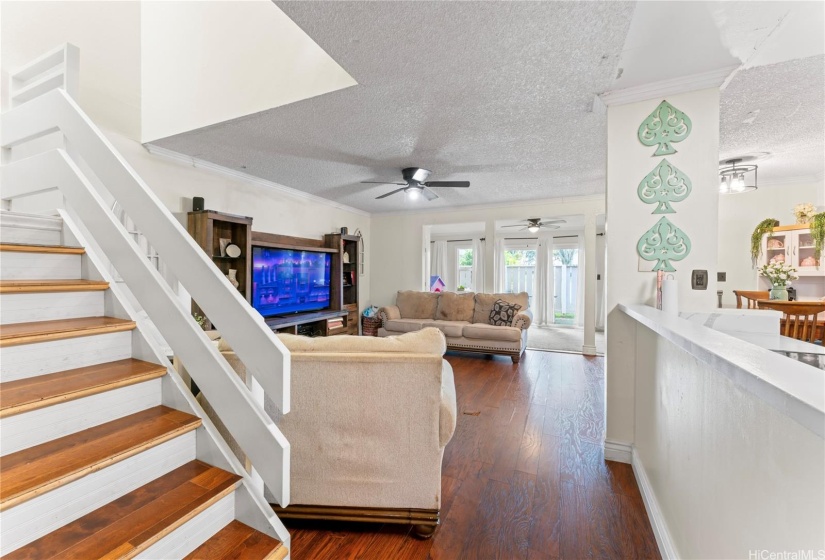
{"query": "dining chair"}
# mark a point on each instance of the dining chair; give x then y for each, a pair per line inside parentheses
(799, 318)
(751, 296)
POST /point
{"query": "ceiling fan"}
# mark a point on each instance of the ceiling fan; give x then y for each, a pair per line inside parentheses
(416, 184)
(534, 224)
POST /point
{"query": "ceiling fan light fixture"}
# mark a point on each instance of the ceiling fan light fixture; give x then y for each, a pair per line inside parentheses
(414, 193)
(533, 229)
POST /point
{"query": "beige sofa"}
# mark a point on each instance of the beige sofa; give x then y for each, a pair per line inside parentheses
(369, 421)
(464, 318)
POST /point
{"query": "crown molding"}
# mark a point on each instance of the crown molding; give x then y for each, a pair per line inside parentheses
(247, 178)
(673, 86)
(597, 200)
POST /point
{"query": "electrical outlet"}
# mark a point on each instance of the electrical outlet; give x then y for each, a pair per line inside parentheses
(721, 276)
(699, 280)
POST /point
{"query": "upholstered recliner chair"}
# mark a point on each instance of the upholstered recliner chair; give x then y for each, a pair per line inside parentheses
(368, 424)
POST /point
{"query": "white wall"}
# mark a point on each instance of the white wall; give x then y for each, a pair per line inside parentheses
(628, 218)
(397, 239)
(731, 474)
(108, 36)
(208, 62)
(738, 216)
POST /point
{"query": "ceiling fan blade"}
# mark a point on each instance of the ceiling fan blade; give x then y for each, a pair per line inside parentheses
(545, 226)
(516, 225)
(389, 193)
(553, 222)
(428, 194)
(380, 183)
(458, 184)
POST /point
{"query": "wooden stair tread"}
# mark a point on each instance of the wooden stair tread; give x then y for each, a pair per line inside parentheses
(24, 395)
(238, 540)
(26, 248)
(41, 331)
(30, 286)
(130, 524)
(33, 471)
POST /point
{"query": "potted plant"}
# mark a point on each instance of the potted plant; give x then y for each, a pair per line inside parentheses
(779, 275)
(461, 288)
(818, 233)
(765, 226)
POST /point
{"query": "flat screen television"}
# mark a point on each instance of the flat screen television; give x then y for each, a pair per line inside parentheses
(286, 281)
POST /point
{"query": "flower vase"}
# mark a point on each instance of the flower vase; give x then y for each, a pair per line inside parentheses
(233, 279)
(779, 293)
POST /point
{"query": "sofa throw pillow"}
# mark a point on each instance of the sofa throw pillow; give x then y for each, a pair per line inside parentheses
(416, 305)
(455, 307)
(503, 313)
(484, 304)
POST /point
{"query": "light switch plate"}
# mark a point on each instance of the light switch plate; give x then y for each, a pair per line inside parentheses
(721, 276)
(699, 280)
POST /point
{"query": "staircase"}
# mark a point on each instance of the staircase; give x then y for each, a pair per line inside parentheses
(104, 451)
(95, 462)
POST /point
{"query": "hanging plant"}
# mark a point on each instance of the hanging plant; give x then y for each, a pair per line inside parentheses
(765, 226)
(818, 233)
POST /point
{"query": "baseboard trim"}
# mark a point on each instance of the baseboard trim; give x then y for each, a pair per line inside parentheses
(620, 451)
(660, 530)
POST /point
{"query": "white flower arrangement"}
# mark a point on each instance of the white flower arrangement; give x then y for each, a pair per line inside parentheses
(804, 212)
(779, 274)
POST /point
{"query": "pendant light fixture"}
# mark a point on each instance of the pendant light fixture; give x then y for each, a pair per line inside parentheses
(736, 177)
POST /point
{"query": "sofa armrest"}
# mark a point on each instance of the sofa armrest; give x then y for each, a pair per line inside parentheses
(389, 312)
(523, 319)
(448, 411)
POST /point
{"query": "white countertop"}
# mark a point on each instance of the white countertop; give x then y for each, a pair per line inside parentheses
(793, 388)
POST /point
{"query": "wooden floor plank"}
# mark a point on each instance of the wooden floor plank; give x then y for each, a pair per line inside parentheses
(24, 395)
(42, 331)
(25, 248)
(523, 477)
(37, 286)
(30, 472)
(130, 524)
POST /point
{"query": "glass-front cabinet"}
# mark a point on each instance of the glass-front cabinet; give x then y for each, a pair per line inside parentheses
(793, 245)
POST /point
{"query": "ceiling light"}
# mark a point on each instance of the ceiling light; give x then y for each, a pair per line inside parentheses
(533, 229)
(735, 177)
(414, 193)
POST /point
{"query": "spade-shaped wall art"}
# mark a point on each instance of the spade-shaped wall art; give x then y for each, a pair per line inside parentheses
(665, 184)
(663, 243)
(665, 126)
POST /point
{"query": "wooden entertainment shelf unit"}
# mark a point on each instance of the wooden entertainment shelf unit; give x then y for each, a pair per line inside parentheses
(207, 226)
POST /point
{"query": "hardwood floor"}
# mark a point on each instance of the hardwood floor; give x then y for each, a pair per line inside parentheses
(524, 476)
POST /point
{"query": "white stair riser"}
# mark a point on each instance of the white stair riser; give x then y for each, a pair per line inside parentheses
(39, 266)
(22, 431)
(30, 229)
(194, 532)
(48, 306)
(39, 516)
(30, 360)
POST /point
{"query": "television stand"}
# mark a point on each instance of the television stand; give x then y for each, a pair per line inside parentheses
(317, 323)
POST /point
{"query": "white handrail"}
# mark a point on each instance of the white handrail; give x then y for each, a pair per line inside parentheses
(264, 356)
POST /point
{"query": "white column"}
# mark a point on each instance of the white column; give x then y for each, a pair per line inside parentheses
(489, 251)
(630, 281)
(589, 346)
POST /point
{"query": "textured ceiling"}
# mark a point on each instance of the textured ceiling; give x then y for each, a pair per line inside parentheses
(778, 109)
(497, 93)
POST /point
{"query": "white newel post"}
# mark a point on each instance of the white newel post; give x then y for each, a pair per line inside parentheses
(629, 279)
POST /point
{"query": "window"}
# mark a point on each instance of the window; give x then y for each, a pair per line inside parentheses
(464, 260)
(520, 271)
(565, 284)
